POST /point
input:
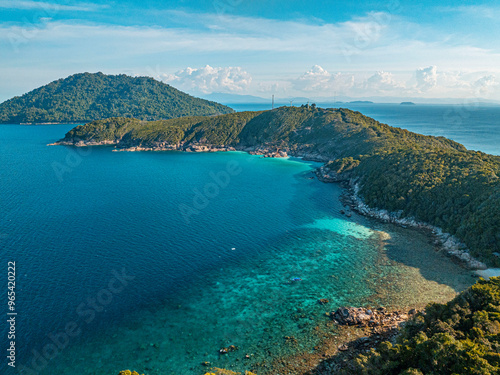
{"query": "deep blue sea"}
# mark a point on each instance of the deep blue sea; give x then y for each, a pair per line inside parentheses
(153, 261)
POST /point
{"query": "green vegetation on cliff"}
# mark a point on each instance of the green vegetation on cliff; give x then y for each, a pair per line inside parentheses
(87, 97)
(461, 337)
(432, 179)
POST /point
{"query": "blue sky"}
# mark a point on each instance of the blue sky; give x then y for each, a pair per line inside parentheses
(360, 49)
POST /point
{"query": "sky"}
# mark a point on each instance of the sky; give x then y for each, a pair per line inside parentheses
(363, 49)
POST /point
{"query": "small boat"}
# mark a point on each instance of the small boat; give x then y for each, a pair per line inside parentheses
(295, 279)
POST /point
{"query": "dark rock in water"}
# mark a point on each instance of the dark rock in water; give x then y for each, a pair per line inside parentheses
(356, 316)
(323, 301)
(229, 349)
(351, 316)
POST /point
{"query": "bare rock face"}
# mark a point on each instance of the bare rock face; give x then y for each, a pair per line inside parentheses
(358, 316)
(351, 316)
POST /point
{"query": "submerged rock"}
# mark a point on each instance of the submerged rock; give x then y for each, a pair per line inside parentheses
(229, 349)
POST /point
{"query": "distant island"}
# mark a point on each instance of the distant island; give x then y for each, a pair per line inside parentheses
(92, 96)
(420, 179)
(361, 102)
(406, 103)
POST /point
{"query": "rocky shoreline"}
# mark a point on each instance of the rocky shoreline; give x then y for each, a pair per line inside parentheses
(451, 245)
(83, 143)
(364, 317)
(266, 152)
(349, 331)
(379, 324)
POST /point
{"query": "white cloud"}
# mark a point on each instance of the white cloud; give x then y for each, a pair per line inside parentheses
(481, 11)
(52, 7)
(319, 80)
(365, 43)
(453, 84)
(382, 82)
(369, 55)
(484, 85)
(209, 79)
(426, 78)
(315, 79)
(423, 82)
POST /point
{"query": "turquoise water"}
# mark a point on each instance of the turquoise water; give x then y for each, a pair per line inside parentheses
(206, 246)
(472, 124)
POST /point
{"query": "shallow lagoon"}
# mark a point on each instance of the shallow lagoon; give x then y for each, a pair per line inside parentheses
(192, 294)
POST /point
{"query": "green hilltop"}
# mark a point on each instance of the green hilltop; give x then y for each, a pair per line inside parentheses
(92, 96)
(432, 179)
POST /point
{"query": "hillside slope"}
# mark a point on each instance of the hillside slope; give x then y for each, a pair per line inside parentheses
(433, 179)
(87, 97)
(458, 338)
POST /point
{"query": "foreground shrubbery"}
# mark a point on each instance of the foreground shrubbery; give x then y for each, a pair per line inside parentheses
(461, 337)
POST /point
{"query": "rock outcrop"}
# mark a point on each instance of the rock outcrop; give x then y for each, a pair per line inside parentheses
(357, 316)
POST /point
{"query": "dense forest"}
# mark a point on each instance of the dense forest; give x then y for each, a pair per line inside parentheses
(432, 179)
(87, 97)
(461, 337)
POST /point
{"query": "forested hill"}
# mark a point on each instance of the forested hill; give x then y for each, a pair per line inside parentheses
(431, 178)
(93, 96)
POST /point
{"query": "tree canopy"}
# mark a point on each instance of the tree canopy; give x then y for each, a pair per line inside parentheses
(87, 96)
